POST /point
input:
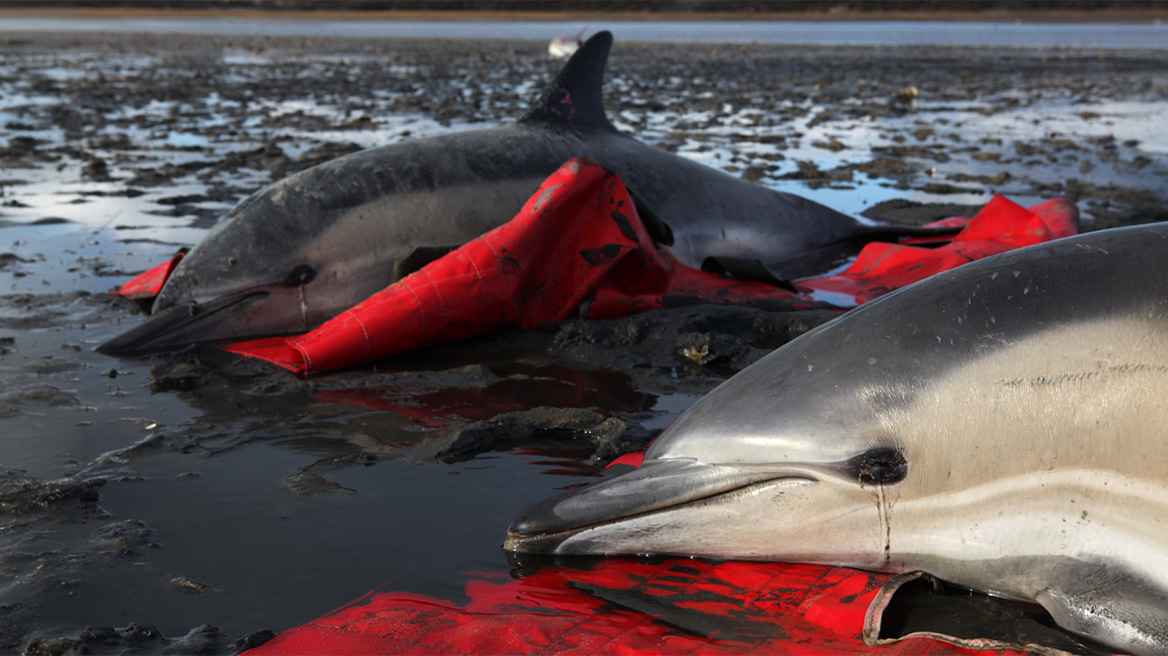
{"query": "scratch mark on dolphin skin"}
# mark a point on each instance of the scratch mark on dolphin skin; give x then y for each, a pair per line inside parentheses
(1059, 379)
(885, 522)
(1139, 368)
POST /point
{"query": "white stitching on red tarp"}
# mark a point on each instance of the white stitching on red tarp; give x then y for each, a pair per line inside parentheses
(478, 273)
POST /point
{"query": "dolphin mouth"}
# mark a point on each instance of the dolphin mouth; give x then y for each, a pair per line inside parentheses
(179, 326)
(654, 487)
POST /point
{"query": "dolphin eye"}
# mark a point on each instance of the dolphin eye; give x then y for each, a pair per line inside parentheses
(880, 466)
(301, 275)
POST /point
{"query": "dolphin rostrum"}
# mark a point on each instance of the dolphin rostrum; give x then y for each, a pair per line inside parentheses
(307, 247)
(1000, 426)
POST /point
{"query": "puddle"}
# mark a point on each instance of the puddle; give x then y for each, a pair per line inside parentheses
(418, 526)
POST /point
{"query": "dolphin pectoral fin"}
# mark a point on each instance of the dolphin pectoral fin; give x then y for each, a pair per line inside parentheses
(918, 605)
(179, 326)
(573, 99)
(1121, 610)
(418, 258)
(653, 486)
(746, 269)
(659, 230)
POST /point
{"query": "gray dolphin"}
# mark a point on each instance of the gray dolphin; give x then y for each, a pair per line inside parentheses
(304, 249)
(1001, 426)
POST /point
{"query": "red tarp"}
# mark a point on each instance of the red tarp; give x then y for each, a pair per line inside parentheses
(623, 606)
(146, 285)
(578, 247)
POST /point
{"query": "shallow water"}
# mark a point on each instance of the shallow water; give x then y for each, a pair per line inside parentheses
(199, 488)
(1152, 34)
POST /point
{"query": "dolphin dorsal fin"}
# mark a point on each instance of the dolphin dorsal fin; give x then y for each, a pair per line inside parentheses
(573, 99)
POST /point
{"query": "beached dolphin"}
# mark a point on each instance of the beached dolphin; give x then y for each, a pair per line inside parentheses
(306, 248)
(1001, 426)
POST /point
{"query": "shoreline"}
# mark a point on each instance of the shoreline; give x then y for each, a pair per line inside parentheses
(991, 16)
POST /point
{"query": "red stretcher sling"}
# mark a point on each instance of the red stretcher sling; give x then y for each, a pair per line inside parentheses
(624, 606)
(578, 247)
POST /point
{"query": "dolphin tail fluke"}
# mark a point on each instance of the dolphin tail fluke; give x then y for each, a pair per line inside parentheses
(920, 235)
(818, 261)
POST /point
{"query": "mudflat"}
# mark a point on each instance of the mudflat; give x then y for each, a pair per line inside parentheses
(188, 502)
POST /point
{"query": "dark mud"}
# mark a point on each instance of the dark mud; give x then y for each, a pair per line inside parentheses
(187, 503)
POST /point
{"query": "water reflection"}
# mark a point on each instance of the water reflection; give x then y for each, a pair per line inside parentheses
(428, 414)
(517, 386)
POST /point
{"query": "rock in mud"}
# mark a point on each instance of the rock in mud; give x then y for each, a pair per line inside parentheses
(251, 641)
(129, 537)
(306, 483)
(510, 430)
(907, 211)
(704, 348)
(55, 647)
(190, 585)
(21, 495)
(39, 395)
(185, 376)
(131, 640)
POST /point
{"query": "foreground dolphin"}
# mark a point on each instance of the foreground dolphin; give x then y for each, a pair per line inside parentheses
(1001, 426)
(306, 248)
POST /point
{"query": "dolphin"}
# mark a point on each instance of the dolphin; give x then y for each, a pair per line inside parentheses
(304, 249)
(1000, 426)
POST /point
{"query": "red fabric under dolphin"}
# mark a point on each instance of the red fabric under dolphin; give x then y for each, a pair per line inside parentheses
(146, 285)
(1000, 226)
(578, 244)
(620, 606)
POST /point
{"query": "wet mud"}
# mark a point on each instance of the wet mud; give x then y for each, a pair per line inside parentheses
(194, 502)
